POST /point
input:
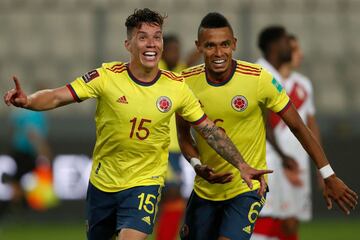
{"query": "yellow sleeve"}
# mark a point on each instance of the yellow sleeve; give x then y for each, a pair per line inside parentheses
(271, 93)
(190, 108)
(90, 85)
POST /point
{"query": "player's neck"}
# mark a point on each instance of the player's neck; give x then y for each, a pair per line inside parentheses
(142, 73)
(273, 60)
(285, 70)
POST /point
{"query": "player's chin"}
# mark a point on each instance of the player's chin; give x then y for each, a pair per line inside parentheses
(218, 69)
(150, 63)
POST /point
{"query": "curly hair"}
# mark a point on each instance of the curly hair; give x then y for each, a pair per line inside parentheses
(143, 16)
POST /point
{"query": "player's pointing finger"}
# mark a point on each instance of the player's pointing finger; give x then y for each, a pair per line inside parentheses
(17, 83)
(262, 172)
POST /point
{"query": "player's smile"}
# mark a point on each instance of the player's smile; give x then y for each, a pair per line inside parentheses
(150, 55)
(219, 63)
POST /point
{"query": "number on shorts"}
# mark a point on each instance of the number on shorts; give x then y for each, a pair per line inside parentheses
(146, 203)
(253, 213)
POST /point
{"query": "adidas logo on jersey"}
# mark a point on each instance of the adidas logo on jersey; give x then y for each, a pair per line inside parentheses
(122, 100)
(147, 220)
(247, 229)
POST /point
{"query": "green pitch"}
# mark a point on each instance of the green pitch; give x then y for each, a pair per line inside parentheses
(319, 230)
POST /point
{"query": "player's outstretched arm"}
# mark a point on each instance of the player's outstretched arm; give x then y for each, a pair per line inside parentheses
(191, 154)
(335, 189)
(40, 100)
(221, 143)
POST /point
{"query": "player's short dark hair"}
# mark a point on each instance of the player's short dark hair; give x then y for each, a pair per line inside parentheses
(141, 16)
(169, 38)
(268, 36)
(214, 20)
(292, 37)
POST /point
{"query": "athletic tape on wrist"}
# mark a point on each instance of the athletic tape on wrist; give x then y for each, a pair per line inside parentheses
(195, 161)
(326, 171)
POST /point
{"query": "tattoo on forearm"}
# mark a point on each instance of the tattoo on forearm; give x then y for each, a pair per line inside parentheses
(207, 131)
(221, 143)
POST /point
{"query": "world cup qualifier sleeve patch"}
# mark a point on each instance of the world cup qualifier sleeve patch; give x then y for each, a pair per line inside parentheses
(277, 85)
(90, 76)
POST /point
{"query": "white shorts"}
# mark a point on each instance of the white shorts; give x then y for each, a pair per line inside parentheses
(283, 199)
(296, 201)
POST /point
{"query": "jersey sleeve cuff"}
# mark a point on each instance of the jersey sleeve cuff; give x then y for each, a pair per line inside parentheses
(197, 122)
(73, 93)
(283, 111)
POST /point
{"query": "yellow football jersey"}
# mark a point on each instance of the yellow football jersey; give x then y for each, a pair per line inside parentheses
(132, 123)
(237, 106)
(174, 144)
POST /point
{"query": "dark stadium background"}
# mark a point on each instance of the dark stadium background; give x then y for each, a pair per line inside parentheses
(55, 41)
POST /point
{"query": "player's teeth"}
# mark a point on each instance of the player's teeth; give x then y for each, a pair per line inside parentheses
(150, 53)
(219, 61)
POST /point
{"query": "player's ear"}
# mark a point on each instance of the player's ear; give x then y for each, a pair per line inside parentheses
(127, 44)
(197, 43)
(233, 47)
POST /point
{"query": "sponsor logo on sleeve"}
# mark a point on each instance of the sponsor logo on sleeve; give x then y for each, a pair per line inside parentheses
(90, 76)
(277, 85)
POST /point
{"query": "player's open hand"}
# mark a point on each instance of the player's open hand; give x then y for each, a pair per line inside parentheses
(16, 96)
(248, 173)
(336, 190)
(209, 175)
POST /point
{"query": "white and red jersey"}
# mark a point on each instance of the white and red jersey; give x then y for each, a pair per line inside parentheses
(300, 90)
(296, 201)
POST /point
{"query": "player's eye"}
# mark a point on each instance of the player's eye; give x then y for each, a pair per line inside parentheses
(225, 44)
(142, 37)
(209, 45)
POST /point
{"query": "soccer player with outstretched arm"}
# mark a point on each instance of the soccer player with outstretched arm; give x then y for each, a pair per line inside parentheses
(235, 95)
(135, 102)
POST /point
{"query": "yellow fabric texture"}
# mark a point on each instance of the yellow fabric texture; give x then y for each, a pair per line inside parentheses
(132, 124)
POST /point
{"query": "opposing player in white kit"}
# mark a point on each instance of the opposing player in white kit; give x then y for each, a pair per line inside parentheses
(289, 199)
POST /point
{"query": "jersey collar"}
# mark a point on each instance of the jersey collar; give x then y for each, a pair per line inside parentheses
(227, 78)
(137, 81)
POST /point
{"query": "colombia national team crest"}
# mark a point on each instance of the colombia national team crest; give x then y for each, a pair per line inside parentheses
(239, 103)
(163, 104)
